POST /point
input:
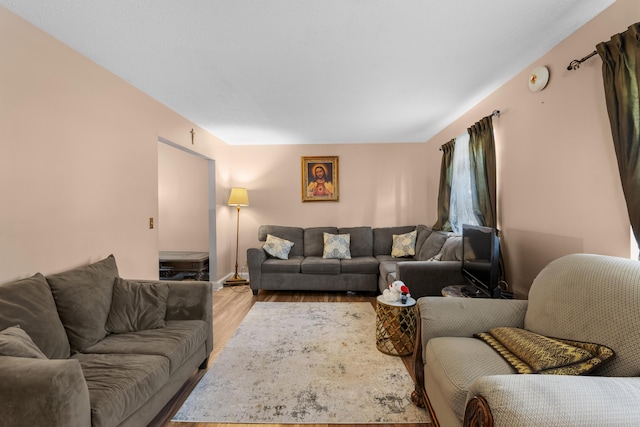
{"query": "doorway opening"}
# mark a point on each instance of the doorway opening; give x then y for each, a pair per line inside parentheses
(186, 210)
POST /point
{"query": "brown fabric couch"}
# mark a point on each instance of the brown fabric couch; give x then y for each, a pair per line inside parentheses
(87, 348)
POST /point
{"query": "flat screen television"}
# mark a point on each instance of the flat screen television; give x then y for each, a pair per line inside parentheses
(480, 261)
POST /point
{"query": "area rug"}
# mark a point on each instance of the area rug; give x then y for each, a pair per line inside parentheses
(304, 363)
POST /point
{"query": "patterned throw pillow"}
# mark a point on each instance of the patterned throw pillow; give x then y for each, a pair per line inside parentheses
(277, 247)
(336, 246)
(404, 245)
(531, 353)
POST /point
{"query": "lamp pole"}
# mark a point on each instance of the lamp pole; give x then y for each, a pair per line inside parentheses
(238, 198)
(237, 276)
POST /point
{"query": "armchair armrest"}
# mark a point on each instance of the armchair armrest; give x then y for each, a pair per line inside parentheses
(39, 392)
(458, 317)
(427, 278)
(553, 400)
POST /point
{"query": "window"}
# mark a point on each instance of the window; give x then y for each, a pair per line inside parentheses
(461, 202)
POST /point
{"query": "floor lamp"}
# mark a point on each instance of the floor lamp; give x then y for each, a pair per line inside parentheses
(238, 197)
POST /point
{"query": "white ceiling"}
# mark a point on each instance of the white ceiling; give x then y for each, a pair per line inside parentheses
(313, 71)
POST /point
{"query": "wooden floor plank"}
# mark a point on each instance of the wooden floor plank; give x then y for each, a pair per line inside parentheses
(230, 306)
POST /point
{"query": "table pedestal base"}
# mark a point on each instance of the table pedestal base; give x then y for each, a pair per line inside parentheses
(395, 329)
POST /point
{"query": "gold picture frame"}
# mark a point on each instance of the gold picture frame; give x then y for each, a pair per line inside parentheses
(320, 179)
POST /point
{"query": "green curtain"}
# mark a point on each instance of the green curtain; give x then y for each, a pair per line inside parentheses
(444, 192)
(621, 74)
(482, 161)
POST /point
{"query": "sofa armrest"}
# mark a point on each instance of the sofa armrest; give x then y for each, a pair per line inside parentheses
(463, 317)
(554, 400)
(39, 392)
(427, 278)
(255, 258)
(191, 300)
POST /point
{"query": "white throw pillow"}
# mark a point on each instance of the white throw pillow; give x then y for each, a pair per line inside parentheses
(277, 247)
(337, 246)
(404, 245)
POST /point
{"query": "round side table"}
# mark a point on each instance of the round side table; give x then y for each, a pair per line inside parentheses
(395, 326)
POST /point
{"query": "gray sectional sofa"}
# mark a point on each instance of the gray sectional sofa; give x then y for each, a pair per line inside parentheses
(87, 348)
(372, 267)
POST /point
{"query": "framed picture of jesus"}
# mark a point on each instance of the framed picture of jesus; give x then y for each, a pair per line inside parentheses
(320, 179)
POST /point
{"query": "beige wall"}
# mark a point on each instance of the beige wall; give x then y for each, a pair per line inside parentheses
(79, 165)
(78, 160)
(183, 200)
(559, 188)
(379, 185)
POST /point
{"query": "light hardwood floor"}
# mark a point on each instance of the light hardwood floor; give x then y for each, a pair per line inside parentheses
(230, 305)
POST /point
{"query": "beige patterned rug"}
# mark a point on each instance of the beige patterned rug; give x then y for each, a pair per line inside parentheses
(304, 363)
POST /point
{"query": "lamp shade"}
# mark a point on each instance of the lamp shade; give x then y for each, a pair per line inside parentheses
(239, 197)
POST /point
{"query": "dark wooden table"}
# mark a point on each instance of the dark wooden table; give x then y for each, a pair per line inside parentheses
(175, 262)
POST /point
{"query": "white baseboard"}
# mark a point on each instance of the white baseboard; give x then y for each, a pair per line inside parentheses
(220, 283)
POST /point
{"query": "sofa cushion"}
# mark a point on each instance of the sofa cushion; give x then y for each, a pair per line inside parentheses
(383, 238)
(137, 306)
(404, 245)
(318, 265)
(432, 245)
(359, 265)
(277, 247)
(337, 246)
(293, 234)
(177, 341)
(314, 239)
(83, 297)
(361, 240)
(120, 383)
(453, 363)
(29, 303)
(452, 249)
(387, 268)
(17, 343)
(423, 233)
(531, 353)
(275, 265)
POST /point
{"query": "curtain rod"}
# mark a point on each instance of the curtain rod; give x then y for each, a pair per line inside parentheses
(495, 113)
(575, 64)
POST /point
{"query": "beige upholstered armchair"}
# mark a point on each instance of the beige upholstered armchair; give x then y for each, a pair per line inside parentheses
(583, 298)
